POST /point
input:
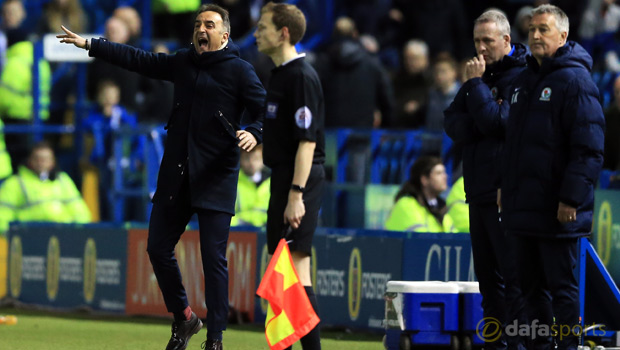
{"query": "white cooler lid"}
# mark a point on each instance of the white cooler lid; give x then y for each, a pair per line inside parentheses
(468, 287)
(422, 287)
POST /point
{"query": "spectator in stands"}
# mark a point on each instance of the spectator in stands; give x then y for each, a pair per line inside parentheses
(98, 70)
(16, 102)
(457, 207)
(252, 190)
(156, 97)
(420, 19)
(372, 17)
(418, 206)
(41, 192)
(553, 155)
(172, 19)
(106, 117)
(612, 131)
(476, 121)
(600, 23)
(520, 26)
(358, 93)
(440, 95)
(411, 86)
(200, 167)
(442, 92)
(14, 22)
(132, 19)
(357, 90)
(6, 169)
(240, 16)
(57, 12)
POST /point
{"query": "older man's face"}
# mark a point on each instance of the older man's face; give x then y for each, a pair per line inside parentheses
(490, 43)
(544, 36)
(209, 32)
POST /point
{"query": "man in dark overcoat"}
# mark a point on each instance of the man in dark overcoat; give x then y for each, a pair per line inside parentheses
(213, 86)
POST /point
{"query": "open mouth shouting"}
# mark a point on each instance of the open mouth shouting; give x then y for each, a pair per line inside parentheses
(202, 44)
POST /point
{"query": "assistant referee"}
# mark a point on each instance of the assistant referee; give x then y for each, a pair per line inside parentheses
(293, 142)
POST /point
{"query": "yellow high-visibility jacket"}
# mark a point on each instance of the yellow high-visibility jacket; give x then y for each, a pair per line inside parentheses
(252, 202)
(16, 83)
(458, 209)
(5, 159)
(25, 197)
(175, 6)
(409, 215)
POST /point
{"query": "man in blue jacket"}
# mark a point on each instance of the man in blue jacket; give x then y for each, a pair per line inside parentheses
(199, 170)
(553, 155)
(476, 122)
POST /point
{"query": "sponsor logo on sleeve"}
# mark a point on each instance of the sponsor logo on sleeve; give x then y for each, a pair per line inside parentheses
(303, 117)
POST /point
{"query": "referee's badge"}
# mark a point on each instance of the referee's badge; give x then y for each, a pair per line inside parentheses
(494, 92)
(272, 110)
(546, 94)
(303, 117)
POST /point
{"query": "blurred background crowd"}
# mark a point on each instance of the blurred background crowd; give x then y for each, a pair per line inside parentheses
(389, 69)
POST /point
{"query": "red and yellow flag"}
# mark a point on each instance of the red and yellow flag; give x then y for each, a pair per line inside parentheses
(290, 315)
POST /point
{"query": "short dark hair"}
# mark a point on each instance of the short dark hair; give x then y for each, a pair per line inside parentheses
(220, 10)
(290, 16)
(421, 167)
(43, 144)
(445, 57)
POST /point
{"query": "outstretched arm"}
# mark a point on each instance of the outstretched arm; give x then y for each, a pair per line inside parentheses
(71, 38)
(150, 64)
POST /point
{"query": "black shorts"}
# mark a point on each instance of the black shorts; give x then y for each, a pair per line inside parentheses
(281, 179)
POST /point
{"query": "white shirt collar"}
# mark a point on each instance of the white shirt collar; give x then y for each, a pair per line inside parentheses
(294, 58)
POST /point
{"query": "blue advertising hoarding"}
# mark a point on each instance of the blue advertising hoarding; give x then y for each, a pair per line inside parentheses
(68, 266)
(349, 275)
(606, 230)
(438, 257)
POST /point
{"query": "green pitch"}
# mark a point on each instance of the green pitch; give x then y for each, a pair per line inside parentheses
(52, 331)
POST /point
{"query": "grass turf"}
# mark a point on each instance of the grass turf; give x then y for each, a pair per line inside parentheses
(40, 330)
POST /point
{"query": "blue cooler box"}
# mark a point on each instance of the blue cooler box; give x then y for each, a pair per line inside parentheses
(471, 314)
(421, 313)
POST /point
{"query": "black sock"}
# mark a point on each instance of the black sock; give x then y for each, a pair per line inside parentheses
(312, 340)
(179, 316)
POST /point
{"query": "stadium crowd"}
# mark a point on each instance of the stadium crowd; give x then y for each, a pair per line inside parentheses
(387, 64)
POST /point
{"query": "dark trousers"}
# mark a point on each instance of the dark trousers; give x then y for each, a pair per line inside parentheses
(550, 287)
(165, 228)
(496, 270)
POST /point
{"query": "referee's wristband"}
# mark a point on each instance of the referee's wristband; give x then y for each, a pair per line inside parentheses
(297, 188)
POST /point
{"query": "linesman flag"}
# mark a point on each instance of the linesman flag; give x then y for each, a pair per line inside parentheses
(290, 315)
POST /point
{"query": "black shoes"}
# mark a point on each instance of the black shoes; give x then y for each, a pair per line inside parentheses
(182, 331)
(212, 345)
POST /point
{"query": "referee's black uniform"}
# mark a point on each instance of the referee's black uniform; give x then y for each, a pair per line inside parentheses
(295, 112)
